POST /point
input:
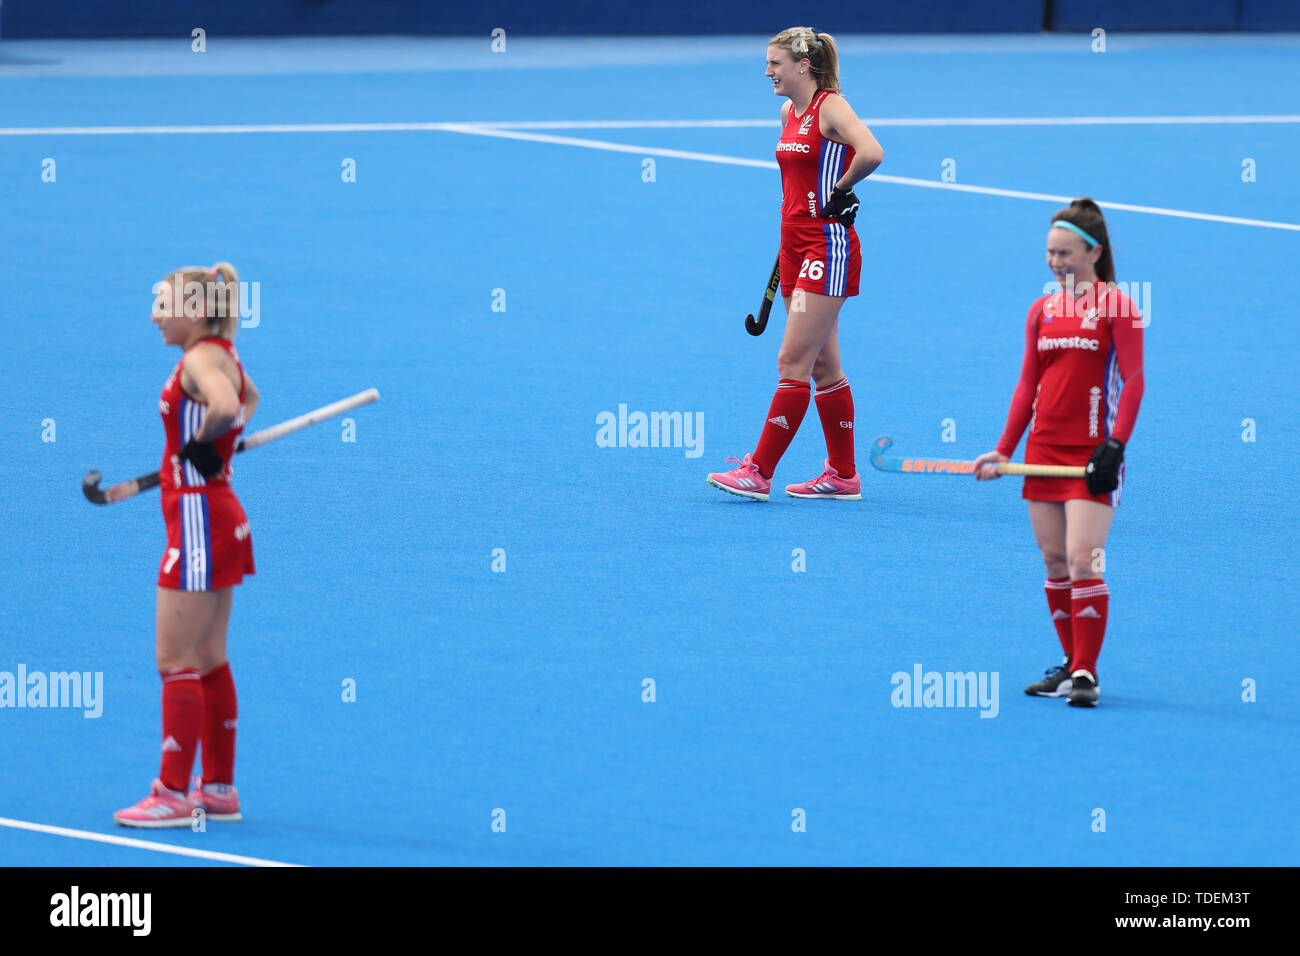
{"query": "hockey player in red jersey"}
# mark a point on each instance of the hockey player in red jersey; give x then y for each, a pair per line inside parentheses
(205, 403)
(823, 151)
(1080, 387)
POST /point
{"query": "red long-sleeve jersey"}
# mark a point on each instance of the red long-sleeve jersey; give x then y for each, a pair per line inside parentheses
(1081, 380)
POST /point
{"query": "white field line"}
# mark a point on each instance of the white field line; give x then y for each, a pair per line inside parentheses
(485, 129)
(895, 180)
(139, 844)
(648, 124)
(242, 128)
(1088, 120)
(909, 121)
(476, 130)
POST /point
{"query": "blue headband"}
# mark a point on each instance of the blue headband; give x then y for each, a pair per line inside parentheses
(1075, 229)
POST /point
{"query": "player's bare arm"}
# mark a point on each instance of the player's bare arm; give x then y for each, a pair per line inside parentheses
(208, 368)
(840, 123)
(251, 397)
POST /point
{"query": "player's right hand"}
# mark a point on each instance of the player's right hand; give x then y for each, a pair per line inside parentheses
(203, 456)
(986, 465)
(842, 205)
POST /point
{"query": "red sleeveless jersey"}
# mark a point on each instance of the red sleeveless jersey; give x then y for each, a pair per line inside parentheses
(810, 163)
(182, 417)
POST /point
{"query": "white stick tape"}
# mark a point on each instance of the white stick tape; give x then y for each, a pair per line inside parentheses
(311, 418)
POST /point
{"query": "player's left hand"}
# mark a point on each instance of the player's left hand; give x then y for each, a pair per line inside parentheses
(841, 205)
(1102, 472)
(203, 456)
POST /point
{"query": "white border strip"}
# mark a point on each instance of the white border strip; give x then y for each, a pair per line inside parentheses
(140, 844)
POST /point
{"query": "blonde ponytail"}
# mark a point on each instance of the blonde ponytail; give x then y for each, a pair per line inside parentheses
(219, 298)
(226, 319)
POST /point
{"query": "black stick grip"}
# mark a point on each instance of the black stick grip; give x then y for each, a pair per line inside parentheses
(123, 489)
(769, 296)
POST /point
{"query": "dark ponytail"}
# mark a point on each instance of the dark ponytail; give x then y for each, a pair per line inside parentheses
(1086, 214)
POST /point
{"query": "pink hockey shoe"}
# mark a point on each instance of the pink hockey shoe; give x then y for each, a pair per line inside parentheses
(220, 801)
(745, 481)
(829, 484)
(162, 808)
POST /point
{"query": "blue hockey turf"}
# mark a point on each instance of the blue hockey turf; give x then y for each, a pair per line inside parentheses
(502, 294)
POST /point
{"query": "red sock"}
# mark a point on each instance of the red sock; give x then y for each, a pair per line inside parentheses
(1058, 602)
(220, 713)
(1091, 601)
(788, 408)
(835, 406)
(182, 713)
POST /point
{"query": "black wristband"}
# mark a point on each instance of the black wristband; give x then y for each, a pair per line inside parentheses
(841, 205)
(204, 457)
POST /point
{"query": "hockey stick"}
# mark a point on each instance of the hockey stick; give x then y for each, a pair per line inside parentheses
(935, 466)
(769, 296)
(127, 489)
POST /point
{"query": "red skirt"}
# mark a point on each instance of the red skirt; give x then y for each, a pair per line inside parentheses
(1063, 489)
(819, 256)
(209, 544)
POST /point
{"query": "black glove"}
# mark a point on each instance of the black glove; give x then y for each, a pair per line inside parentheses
(1102, 473)
(203, 456)
(842, 206)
